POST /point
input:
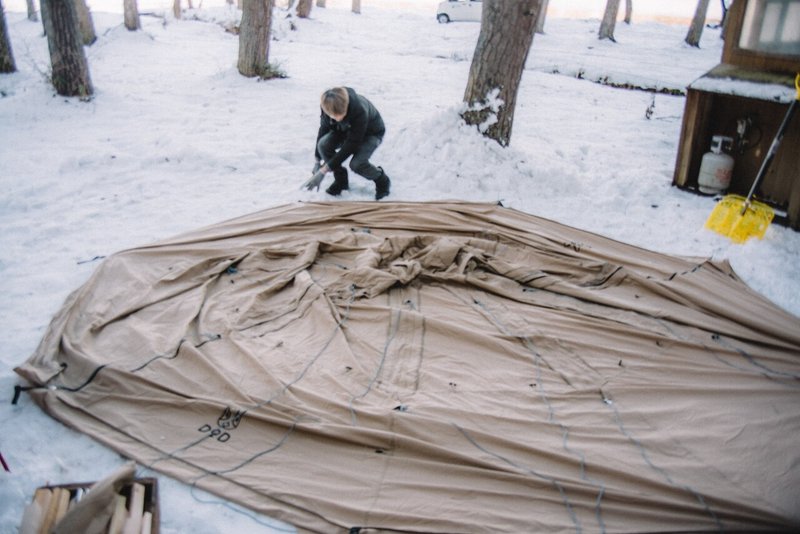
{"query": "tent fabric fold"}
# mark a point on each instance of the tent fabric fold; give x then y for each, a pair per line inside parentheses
(436, 367)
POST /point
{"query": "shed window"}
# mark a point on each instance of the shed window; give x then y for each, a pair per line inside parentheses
(772, 26)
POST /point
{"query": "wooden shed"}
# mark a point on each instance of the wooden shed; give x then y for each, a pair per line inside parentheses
(745, 98)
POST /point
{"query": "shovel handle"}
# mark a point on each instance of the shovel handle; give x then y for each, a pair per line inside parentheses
(773, 148)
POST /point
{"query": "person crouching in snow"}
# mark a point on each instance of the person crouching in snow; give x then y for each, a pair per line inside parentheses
(349, 125)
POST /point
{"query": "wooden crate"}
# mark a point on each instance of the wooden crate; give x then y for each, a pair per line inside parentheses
(62, 496)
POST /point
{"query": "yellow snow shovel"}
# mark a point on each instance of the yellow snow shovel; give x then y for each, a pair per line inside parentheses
(741, 218)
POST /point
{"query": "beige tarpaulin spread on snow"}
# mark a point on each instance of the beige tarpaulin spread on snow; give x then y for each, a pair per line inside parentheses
(436, 367)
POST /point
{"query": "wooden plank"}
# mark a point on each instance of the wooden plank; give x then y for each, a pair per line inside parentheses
(52, 509)
(118, 517)
(133, 523)
(33, 517)
(63, 505)
(147, 523)
(694, 132)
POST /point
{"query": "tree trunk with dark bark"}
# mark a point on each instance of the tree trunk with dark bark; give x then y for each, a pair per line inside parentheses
(254, 38)
(45, 17)
(85, 22)
(698, 21)
(6, 55)
(609, 21)
(32, 16)
(303, 8)
(507, 30)
(70, 70)
(131, 15)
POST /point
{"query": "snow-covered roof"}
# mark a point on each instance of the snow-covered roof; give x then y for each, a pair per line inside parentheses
(730, 80)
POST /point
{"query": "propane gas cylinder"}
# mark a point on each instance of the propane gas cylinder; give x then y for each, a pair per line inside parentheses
(716, 168)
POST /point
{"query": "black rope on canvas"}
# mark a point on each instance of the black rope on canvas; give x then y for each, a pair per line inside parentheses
(618, 420)
(250, 460)
(394, 324)
(551, 415)
(174, 354)
(611, 405)
(555, 483)
(339, 324)
(765, 370)
(86, 383)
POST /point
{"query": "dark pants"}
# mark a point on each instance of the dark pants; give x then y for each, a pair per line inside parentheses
(332, 141)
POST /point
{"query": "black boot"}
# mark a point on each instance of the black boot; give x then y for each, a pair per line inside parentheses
(382, 185)
(340, 182)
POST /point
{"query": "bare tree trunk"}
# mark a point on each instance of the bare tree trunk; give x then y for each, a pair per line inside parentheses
(67, 58)
(356, 6)
(176, 9)
(31, 11)
(254, 38)
(85, 23)
(542, 16)
(699, 20)
(320, 3)
(132, 21)
(628, 11)
(507, 30)
(303, 8)
(609, 21)
(45, 17)
(6, 55)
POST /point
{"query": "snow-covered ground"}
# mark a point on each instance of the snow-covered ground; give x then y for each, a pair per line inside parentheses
(175, 139)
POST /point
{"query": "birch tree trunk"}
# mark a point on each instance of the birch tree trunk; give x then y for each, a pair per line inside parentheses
(609, 21)
(6, 55)
(303, 8)
(320, 3)
(254, 38)
(507, 30)
(132, 21)
(628, 11)
(356, 6)
(31, 10)
(699, 20)
(176, 9)
(542, 16)
(85, 23)
(70, 70)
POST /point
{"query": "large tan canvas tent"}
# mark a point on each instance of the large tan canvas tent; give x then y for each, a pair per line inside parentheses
(436, 367)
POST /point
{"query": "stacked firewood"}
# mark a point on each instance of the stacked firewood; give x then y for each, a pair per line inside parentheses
(132, 514)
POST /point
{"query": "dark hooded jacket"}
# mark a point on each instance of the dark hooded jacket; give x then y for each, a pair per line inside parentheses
(362, 120)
